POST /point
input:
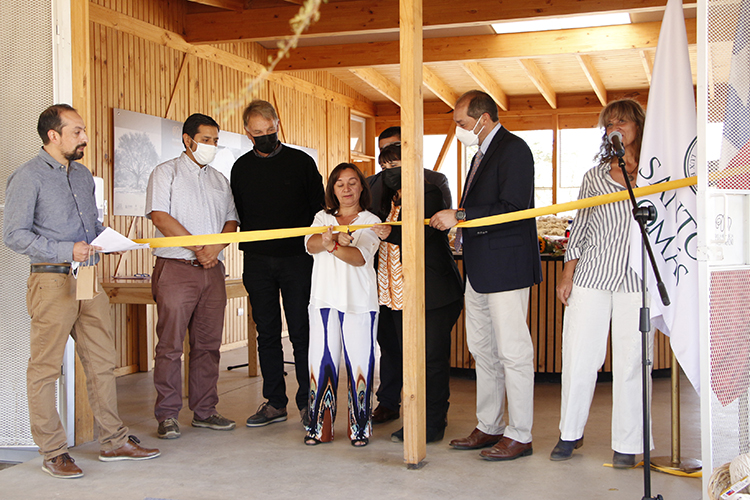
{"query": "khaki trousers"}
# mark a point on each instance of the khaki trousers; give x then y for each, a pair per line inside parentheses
(55, 314)
(499, 339)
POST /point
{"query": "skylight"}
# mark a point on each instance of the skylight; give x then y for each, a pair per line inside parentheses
(560, 23)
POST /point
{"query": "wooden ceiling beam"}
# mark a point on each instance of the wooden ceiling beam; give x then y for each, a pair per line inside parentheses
(379, 82)
(488, 84)
(438, 87)
(141, 29)
(357, 16)
(447, 143)
(479, 47)
(592, 74)
(648, 64)
(540, 82)
(233, 5)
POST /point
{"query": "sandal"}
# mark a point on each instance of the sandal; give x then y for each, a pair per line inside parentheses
(359, 443)
(312, 441)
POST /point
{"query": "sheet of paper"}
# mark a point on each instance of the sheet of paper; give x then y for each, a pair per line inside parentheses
(112, 241)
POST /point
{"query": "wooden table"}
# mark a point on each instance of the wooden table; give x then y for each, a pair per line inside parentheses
(137, 294)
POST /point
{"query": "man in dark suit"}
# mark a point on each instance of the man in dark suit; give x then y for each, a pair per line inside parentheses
(501, 263)
(391, 376)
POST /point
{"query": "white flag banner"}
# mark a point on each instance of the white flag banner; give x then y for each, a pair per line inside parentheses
(668, 153)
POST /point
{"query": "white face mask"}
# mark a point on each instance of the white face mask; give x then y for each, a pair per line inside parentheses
(468, 137)
(205, 153)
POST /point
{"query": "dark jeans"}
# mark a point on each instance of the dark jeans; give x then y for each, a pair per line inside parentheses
(264, 277)
(438, 325)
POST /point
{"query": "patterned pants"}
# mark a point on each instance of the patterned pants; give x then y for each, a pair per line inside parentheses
(330, 330)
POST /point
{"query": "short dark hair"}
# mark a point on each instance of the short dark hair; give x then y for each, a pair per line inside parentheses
(50, 119)
(390, 132)
(392, 152)
(479, 104)
(332, 203)
(194, 121)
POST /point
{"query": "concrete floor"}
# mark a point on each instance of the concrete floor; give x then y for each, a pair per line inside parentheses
(273, 461)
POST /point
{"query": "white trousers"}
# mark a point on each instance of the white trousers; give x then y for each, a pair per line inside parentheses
(498, 338)
(585, 328)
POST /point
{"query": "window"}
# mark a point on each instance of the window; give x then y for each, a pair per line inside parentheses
(578, 147)
(540, 142)
(357, 126)
(432, 145)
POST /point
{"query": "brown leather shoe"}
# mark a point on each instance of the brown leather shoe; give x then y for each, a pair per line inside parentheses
(476, 440)
(507, 449)
(62, 467)
(381, 415)
(131, 450)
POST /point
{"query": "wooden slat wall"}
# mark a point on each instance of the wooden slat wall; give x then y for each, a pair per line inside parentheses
(134, 74)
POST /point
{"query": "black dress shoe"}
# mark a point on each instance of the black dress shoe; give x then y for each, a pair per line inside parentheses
(623, 460)
(564, 449)
(432, 435)
(435, 434)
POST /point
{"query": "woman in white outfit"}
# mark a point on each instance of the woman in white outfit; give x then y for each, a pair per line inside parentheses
(598, 287)
(343, 307)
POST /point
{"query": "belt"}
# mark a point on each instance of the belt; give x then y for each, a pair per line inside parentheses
(194, 263)
(51, 268)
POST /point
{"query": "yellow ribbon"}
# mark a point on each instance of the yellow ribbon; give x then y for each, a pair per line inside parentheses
(275, 234)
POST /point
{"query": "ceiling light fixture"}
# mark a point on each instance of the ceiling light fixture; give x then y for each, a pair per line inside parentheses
(560, 23)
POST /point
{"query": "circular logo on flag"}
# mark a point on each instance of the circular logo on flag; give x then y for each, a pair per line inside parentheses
(690, 163)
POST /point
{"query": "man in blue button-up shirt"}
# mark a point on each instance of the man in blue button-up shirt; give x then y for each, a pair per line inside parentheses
(51, 216)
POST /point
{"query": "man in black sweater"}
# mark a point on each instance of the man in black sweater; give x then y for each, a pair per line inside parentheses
(275, 186)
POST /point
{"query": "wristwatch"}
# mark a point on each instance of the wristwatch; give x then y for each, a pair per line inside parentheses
(460, 214)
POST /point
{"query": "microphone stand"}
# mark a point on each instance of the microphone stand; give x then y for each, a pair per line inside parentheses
(643, 215)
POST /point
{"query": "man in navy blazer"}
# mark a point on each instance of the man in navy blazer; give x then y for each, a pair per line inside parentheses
(501, 263)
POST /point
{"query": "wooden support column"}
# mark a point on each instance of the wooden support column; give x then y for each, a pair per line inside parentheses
(81, 52)
(412, 181)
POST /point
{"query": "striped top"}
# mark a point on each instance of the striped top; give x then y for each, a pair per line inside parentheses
(390, 275)
(600, 237)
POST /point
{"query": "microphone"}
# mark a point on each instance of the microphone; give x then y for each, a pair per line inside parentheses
(615, 138)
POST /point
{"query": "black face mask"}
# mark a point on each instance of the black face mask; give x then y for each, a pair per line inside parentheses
(266, 143)
(392, 178)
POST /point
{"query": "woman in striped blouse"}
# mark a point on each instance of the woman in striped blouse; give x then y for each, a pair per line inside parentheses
(598, 287)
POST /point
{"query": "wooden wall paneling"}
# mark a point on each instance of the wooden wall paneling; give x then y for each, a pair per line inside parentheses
(533, 320)
(550, 299)
(338, 135)
(559, 312)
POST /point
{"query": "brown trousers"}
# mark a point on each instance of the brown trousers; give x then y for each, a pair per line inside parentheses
(190, 299)
(55, 314)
